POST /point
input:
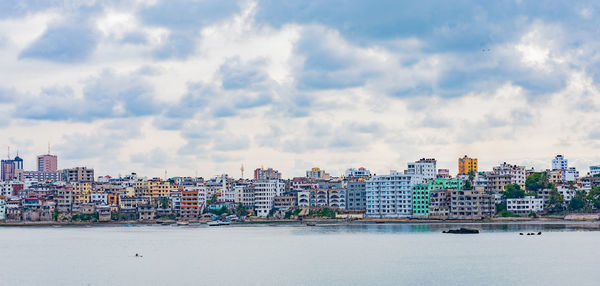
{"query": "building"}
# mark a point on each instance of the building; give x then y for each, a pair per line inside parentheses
(319, 198)
(336, 198)
(316, 174)
(358, 173)
(594, 170)
(570, 174)
(266, 174)
(471, 204)
(193, 202)
(64, 199)
(154, 188)
(303, 199)
(421, 194)
(264, 194)
(146, 212)
(47, 163)
(7, 170)
(466, 165)
(439, 203)
(285, 202)
(37, 176)
(503, 175)
(356, 195)
(525, 206)
(559, 163)
(78, 174)
(82, 192)
(424, 167)
(443, 173)
(391, 195)
(2, 208)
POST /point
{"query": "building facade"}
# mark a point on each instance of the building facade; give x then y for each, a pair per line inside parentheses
(391, 195)
(356, 195)
(266, 174)
(264, 194)
(421, 194)
(47, 163)
(466, 165)
(524, 206)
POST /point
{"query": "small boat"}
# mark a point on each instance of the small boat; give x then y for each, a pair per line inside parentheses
(183, 223)
(218, 222)
(311, 224)
(462, 230)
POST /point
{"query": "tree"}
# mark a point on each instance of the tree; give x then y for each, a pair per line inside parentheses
(537, 181)
(513, 191)
(164, 203)
(579, 202)
(241, 210)
(468, 185)
(555, 202)
(213, 199)
(593, 198)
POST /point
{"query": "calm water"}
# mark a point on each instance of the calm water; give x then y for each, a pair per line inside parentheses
(299, 255)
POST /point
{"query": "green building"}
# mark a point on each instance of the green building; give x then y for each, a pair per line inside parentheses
(421, 194)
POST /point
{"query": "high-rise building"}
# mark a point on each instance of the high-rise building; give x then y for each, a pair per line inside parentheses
(391, 195)
(18, 162)
(47, 163)
(594, 170)
(559, 163)
(78, 174)
(7, 169)
(424, 167)
(266, 174)
(264, 194)
(421, 194)
(466, 165)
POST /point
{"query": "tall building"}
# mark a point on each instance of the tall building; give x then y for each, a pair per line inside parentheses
(316, 173)
(264, 194)
(421, 194)
(466, 165)
(356, 195)
(559, 163)
(503, 175)
(47, 163)
(78, 174)
(424, 167)
(266, 174)
(7, 169)
(391, 195)
(18, 162)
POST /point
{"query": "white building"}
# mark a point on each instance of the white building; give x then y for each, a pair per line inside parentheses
(424, 167)
(99, 198)
(264, 192)
(337, 198)
(569, 175)
(358, 173)
(567, 193)
(559, 163)
(525, 205)
(304, 199)
(391, 195)
(594, 170)
(517, 173)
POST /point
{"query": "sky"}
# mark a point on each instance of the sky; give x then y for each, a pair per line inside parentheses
(202, 87)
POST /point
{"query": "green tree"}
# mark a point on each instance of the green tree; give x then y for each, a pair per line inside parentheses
(537, 181)
(241, 210)
(555, 202)
(213, 199)
(164, 203)
(513, 191)
(579, 202)
(593, 197)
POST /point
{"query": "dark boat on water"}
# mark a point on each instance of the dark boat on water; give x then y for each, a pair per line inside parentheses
(462, 230)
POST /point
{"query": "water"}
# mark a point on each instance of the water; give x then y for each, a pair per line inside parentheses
(298, 255)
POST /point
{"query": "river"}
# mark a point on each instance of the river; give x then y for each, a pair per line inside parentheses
(377, 254)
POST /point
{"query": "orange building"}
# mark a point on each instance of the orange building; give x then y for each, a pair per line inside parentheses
(466, 165)
(189, 207)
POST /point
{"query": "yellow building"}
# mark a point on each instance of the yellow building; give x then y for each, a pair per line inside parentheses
(154, 188)
(466, 165)
(82, 191)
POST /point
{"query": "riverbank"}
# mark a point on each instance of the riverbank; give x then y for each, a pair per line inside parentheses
(261, 221)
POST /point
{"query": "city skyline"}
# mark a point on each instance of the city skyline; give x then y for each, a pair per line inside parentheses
(204, 86)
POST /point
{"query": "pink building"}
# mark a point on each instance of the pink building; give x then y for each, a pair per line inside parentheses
(266, 174)
(47, 163)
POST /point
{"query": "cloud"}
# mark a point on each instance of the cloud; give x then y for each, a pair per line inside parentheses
(107, 96)
(66, 43)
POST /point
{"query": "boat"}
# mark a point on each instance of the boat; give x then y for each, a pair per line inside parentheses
(311, 224)
(462, 230)
(218, 222)
(183, 223)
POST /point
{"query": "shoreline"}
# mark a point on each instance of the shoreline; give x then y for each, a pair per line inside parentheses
(369, 221)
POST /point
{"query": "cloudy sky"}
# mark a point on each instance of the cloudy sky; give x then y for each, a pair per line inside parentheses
(204, 86)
